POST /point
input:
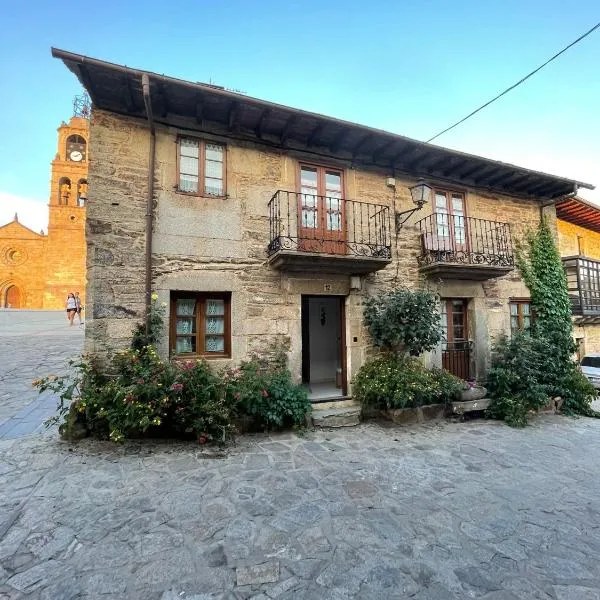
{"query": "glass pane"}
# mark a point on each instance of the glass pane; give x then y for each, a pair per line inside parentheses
(591, 361)
(526, 307)
(526, 322)
(189, 147)
(215, 307)
(514, 309)
(214, 169)
(214, 343)
(458, 205)
(186, 325)
(188, 183)
(333, 181)
(215, 325)
(214, 152)
(186, 307)
(334, 213)
(213, 187)
(308, 177)
(459, 333)
(185, 344)
(440, 203)
(309, 209)
(188, 165)
(514, 323)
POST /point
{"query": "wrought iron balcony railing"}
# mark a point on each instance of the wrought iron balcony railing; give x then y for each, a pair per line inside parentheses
(454, 239)
(583, 280)
(328, 225)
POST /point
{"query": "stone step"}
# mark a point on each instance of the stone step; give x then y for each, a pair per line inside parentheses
(346, 416)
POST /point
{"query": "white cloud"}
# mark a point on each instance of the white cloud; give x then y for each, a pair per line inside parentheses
(32, 213)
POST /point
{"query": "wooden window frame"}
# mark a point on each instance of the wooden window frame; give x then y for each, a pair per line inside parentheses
(201, 193)
(201, 298)
(519, 302)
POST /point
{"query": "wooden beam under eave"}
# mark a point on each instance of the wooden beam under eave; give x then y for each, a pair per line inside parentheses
(200, 114)
(162, 99)
(363, 142)
(87, 83)
(453, 167)
(233, 117)
(497, 179)
(260, 126)
(379, 152)
(471, 170)
(337, 142)
(287, 129)
(315, 133)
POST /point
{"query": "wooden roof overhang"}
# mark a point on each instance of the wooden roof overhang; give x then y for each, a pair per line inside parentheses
(579, 212)
(211, 109)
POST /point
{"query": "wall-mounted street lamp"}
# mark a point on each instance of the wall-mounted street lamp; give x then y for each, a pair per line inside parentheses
(421, 195)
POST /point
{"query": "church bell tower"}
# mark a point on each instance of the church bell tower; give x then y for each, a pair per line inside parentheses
(66, 250)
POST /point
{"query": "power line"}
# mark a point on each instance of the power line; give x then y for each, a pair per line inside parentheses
(512, 87)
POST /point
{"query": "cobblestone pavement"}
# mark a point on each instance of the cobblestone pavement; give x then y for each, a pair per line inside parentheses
(32, 344)
(439, 512)
(452, 511)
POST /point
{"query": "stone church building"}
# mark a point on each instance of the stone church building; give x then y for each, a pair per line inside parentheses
(38, 270)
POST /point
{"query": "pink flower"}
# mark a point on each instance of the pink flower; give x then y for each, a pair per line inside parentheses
(202, 439)
(265, 394)
(177, 387)
(188, 365)
(141, 381)
(237, 395)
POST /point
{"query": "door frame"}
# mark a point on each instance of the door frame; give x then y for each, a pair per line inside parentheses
(450, 332)
(305, 326)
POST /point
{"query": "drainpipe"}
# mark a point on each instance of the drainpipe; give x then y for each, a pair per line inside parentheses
(150, 200)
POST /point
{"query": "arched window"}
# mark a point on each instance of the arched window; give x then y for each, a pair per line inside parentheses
(64, 190)
(82, 187)
(76, 148)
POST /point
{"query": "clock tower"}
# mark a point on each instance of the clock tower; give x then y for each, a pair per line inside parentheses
(66, 250)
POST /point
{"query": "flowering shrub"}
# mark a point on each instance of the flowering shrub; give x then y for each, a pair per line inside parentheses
(402, 382)
(146, 396)
(267, 394)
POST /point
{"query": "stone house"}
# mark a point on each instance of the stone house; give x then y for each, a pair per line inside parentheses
(259, 224)
(578, 224)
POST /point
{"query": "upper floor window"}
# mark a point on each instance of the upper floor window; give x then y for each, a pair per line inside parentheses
(76, 146)
(521, 315)
(201, 167)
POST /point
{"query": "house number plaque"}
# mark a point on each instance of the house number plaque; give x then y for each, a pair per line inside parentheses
(327, 287)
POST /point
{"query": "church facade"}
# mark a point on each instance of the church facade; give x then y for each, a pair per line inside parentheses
(38, 270)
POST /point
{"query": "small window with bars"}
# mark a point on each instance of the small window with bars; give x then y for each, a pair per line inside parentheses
(521, 315)
(201, 167)
(201, 324)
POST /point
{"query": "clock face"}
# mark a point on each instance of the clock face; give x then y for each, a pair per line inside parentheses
(76, 155)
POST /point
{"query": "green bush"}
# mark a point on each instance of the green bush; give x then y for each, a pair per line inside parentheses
(402, 382)
(404, 321)
(146, 396)
(529, 371)
(266, 394)
(516, 380)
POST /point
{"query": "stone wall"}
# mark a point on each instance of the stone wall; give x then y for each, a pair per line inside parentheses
(215, 244)
(115, 231)
(574, 240)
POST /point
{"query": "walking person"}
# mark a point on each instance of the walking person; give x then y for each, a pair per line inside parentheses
(71, 307)
(78, 307)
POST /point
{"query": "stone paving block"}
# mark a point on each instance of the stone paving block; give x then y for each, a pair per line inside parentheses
(255, 574)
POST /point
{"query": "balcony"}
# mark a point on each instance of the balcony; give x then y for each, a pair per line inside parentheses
(583, 280)
(458, 247)
(328, 234)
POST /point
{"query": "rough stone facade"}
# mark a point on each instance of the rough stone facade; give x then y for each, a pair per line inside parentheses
(219, 245)
(38, 270)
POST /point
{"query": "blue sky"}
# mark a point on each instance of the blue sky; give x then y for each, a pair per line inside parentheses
(408, 67)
